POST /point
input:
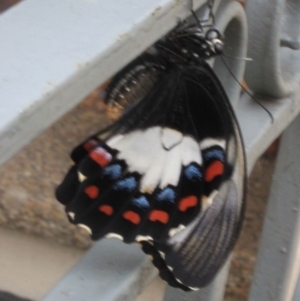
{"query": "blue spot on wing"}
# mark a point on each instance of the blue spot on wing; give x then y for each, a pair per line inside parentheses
(128, 184)
(166, 195)
(113, 171)
(214, 154)
(193, 172)
(141, 202)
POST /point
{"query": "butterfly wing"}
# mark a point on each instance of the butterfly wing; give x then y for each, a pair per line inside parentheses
(126, 89)
(131, 182)
(156, 173)
(196, 254)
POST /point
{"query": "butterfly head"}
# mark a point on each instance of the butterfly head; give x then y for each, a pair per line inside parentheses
(192, 44)
(213, 39)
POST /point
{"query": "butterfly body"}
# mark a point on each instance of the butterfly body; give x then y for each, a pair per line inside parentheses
(170, 173)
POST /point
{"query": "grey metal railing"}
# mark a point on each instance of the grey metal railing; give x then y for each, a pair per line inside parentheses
(67, 48)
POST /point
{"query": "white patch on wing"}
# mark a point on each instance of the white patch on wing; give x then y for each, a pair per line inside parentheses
(208, 142)
(115, 235)
(81, 177)
(139, 149)
(192, 288)
(162, 254)
(170, 137)
(152, 177)
(142, 237)
(206, 201)
(190, 151)
(71, 215)
(172, 170)
(174, 231)
(144, 152)
(85, 228)
(180, 237)
(118, 141)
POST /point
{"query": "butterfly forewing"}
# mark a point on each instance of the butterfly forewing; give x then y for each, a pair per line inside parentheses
(170, 173)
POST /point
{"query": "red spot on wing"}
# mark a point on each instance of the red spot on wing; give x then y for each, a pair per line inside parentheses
(187, 202)
(108, 210)
(101, 156)
(132, 217)
(158, 215)
(213, 170)
(90, 144)
(92, 191)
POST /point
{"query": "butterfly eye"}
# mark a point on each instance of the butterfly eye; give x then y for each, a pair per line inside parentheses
(213, 34)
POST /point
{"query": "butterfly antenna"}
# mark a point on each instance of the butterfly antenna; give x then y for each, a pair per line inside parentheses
(172, 52)
(244, 89)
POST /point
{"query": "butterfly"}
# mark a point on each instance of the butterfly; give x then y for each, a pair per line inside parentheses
(170, 173)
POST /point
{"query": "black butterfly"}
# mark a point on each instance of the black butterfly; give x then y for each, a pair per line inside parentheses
(170, 173)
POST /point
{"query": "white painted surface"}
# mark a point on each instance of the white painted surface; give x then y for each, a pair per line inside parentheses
(55, 52)
(274, 31)
(30, 266)
(111, 270)
(277, 268)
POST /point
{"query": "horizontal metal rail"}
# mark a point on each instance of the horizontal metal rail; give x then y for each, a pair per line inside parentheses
(54, 53)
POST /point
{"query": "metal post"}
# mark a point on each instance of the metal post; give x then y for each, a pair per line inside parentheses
(278, 262)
